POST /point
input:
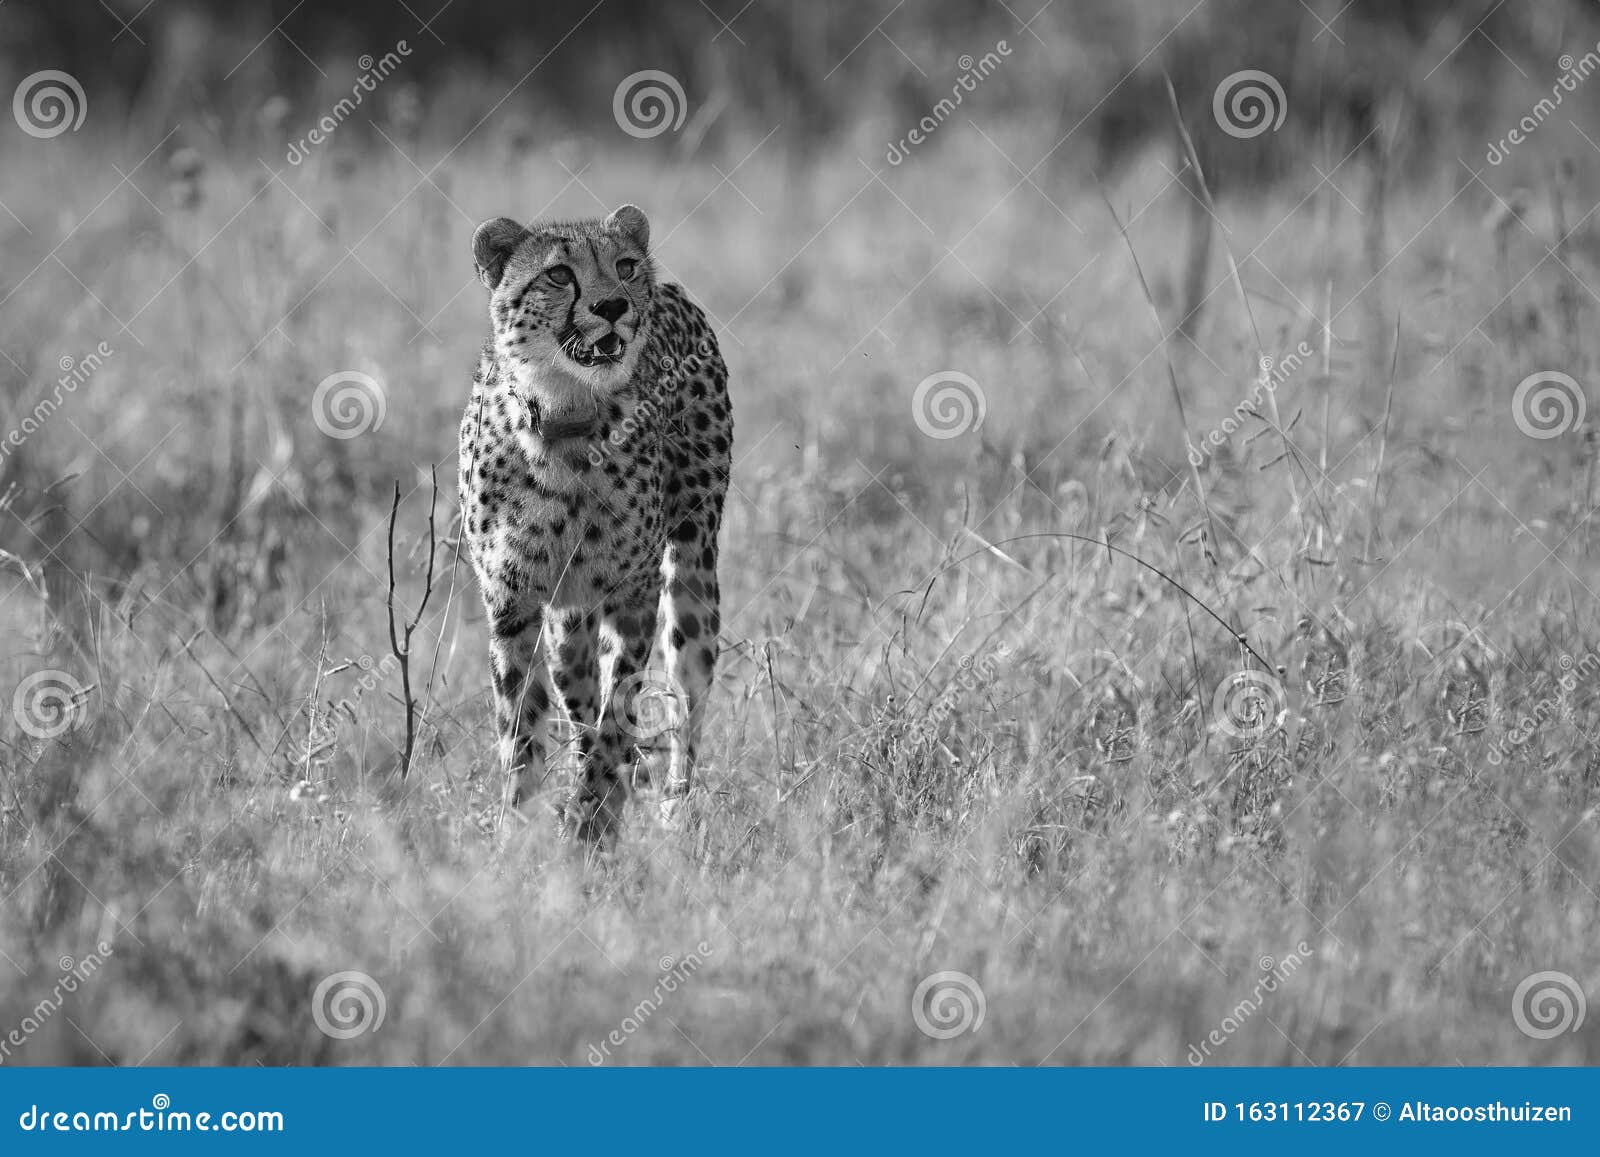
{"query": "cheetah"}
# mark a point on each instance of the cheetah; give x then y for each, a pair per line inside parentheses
(594, 462)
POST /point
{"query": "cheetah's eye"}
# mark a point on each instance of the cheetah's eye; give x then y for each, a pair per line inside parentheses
(626, 267)
(559, 274)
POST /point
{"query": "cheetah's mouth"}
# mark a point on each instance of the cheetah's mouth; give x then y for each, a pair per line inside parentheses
(604, 351)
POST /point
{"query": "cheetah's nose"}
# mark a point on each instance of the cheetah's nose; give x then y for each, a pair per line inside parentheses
(610, 310)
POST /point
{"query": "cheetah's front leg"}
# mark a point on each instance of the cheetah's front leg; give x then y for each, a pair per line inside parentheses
(520, 700)
(594, 809)
(599, 716)
(628, 625)
(692, 605)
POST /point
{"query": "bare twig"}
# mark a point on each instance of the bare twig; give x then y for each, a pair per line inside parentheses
(400, 639)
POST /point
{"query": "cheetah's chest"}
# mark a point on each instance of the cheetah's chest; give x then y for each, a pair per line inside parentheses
(575, 518)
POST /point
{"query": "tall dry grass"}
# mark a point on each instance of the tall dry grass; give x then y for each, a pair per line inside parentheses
(944, 737)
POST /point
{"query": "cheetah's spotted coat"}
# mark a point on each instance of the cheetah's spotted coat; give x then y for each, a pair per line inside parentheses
(594, 463)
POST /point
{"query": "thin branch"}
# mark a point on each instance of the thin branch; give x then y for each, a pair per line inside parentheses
(400, 637)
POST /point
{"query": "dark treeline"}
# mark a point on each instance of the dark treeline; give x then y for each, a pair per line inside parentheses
(1084, 70)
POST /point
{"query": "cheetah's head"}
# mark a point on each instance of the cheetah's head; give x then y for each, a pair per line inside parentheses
(570, 302)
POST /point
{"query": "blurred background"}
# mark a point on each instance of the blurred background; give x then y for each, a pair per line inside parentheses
(833, 76)
(251, 171)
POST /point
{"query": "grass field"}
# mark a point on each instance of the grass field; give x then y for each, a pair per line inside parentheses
(944, 739)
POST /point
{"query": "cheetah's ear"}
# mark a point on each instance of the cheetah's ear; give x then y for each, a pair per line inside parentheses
(631, 220)
(492, 246)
